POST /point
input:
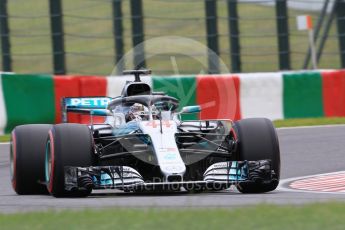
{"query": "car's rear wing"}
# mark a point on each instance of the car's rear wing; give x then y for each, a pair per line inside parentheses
(93, 106)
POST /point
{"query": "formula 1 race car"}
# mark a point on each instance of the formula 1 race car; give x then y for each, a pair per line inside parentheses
(143, 145)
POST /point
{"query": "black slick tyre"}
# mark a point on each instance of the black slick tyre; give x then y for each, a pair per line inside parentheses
(257, 140)
(67, 145)
(27, 157)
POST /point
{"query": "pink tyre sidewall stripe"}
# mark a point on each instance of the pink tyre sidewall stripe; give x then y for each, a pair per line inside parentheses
(14, 152)
(52, 155)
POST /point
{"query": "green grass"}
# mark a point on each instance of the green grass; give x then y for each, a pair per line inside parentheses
(95, 55)
(5, 138)
(309, 122)
(306, 217)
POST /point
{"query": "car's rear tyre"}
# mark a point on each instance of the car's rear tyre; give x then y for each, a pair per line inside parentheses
(67, 145)
(27, 159)
(257, 140)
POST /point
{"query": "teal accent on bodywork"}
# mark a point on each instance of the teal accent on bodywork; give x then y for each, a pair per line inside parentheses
(104, 180)
(191, 109)
(99, 112)
(238, 174)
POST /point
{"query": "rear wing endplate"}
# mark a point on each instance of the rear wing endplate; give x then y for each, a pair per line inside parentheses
(93, 106)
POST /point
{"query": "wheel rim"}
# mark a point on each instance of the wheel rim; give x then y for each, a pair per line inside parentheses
(48, 162)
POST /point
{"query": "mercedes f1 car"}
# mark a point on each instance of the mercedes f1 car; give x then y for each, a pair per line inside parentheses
(143, 145)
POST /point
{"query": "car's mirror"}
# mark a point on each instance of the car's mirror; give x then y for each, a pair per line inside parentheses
(191, 109)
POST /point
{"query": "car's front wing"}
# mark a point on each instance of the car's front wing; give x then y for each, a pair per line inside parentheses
(218, 176)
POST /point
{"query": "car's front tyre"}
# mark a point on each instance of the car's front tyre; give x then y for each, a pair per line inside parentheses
(67, 145)
(257, 140)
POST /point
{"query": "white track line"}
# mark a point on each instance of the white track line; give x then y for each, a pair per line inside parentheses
(312, 127)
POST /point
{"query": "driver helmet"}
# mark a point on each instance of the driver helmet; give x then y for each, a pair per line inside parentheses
(137, 112)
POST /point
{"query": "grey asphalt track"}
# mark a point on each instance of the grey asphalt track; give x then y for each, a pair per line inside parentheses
(304, 151)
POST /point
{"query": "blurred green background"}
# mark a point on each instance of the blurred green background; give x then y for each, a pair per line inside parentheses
(89, 40)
